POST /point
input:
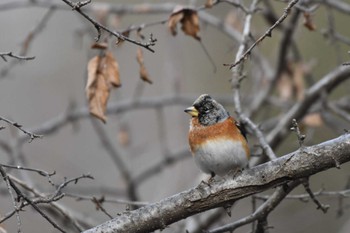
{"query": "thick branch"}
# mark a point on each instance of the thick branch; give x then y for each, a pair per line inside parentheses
(299, 164)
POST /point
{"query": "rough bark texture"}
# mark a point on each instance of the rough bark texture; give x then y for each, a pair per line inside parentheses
(301, 163)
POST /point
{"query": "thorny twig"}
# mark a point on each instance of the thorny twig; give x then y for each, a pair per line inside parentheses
(20, 127)
(268, 33)
(11, 54)
(40, 172)
(99, 27)
(68, 181)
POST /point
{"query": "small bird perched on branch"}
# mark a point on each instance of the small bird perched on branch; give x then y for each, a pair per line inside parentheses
(217, 141)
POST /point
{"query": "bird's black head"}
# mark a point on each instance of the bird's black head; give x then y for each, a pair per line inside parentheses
(207, 110)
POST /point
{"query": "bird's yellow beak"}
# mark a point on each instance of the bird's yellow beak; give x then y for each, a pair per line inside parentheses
(192, 111)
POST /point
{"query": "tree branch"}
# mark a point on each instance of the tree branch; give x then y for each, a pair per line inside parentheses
(268, 33)
(19, 57)
(262, 211)
(76, 7)
(296, 165)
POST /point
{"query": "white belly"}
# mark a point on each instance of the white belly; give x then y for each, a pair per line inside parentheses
(220, 157)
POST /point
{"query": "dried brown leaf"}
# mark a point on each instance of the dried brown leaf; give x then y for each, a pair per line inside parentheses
(143, 71)
(2, 229)
(101, 45)
(103, 72)
(298, 80)
(124, 136)
(285, 87)
(97, 89)
(120, 41)
(313, 120)
(102, 14)
(174, 18)
(308, 23)
(291, 83)
(189, 22)
(111, 70)
(234, 19)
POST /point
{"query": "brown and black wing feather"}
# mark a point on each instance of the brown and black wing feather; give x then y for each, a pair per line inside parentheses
(241, 129)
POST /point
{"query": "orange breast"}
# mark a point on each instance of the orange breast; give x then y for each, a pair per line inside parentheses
(227, 129)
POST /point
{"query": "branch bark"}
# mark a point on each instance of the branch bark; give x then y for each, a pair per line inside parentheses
(301, 163)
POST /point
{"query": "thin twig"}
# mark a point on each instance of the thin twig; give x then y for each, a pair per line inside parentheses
(19, 57)
(49, 199)
(76, 7)
(24, 197)
(68, 181)
(295, 128)
(306, 185)
(80, 197)
(14, 202)
(40, 172)
(305, 197)
(20, 127)
(25, 45)
(98, 203)
(340, 112)
(237, 77)
(268, 33)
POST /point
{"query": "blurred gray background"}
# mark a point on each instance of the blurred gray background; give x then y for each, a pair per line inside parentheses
(36, 91)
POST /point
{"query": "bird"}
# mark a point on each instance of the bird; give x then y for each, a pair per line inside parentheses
(217, 141)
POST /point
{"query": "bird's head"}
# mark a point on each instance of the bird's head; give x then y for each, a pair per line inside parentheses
(207, 110)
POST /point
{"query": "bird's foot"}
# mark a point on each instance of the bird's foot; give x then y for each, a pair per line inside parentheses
(235, 172)
(209, 181)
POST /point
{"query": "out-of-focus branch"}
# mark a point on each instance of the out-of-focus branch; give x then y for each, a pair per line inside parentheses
(285, 44)
(326, 84)
(26, 43)
(56, 123)
(257, 179)
(340, 6)
(169, 159)
(305, 197)
(115, 154)
(338, 111)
